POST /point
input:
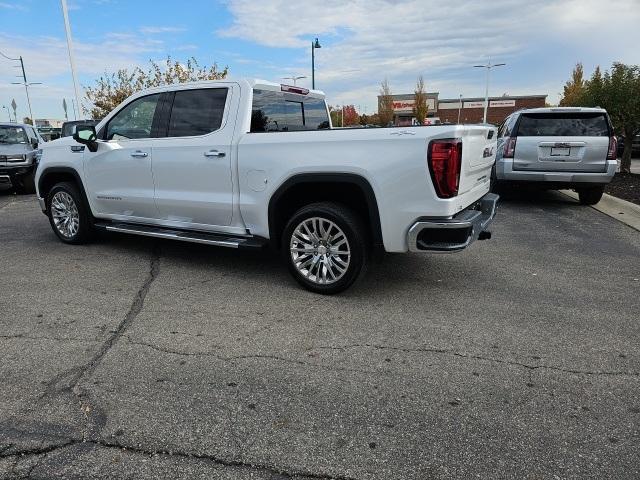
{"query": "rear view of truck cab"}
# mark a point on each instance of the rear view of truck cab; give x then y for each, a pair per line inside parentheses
(558, 148)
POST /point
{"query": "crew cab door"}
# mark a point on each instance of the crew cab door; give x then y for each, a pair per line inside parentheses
(192, 163)
(118, 174)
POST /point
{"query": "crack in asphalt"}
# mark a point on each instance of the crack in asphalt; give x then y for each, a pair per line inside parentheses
(478, 357)
(71, 378)
(265, 468)
(249, 357)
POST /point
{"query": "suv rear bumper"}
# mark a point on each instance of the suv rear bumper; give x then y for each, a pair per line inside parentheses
(456, 233)
(505, 171)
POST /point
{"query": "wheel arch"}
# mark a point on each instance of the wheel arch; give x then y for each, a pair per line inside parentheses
(351, 189)
(53, 175)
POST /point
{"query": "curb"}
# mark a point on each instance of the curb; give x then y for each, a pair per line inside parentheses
(623, 211)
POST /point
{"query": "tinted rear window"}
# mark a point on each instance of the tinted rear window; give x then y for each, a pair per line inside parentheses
(197, 112)
(284, 112)
(564, 125)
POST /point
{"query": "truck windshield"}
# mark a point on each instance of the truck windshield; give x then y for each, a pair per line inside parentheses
(286, 112)
(584, 124)
(12, 135)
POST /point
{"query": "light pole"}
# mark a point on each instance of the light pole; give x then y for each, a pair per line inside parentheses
(72, 61)
(8, 112)
(294, 78)
(315, 44)
(459, 108)
(488, 66)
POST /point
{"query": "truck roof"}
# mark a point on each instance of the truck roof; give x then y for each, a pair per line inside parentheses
(248, 82)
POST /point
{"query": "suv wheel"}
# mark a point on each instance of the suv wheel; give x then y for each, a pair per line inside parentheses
(68, 213)
(591, 195)
(27, 184)
(325, 247)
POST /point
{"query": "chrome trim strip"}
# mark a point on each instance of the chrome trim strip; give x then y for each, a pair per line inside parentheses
(174, 236)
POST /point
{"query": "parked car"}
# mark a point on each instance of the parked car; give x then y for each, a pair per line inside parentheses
(69, 128)
(635, 146)
(19, 154)
(242, 164)
(558, 148)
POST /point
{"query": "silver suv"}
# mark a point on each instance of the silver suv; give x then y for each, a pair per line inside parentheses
(558, 148)
(19, 153)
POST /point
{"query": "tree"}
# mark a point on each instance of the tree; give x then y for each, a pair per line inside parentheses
(112, 89)
(385, 104)
(420, 107)
(618, 91)
(336, 115)
(351, 116)
(574, 89)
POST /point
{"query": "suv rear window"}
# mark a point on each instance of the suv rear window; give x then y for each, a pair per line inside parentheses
(286, 112)
(563, 125)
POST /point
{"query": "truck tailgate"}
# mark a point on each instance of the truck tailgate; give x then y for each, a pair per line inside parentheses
(478, 156)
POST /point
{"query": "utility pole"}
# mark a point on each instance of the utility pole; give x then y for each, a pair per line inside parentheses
(488, 66)
(70, 48)
(24, 82)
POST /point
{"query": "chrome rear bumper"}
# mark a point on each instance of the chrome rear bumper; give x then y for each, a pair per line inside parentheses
(457, 233)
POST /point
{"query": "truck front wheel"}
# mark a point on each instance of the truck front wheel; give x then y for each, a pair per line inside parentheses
(325, 246)
(68, 214)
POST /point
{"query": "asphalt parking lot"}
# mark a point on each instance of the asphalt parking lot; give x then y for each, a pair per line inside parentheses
(137, 358)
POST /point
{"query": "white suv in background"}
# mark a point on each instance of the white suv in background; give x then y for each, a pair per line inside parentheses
(558, 148)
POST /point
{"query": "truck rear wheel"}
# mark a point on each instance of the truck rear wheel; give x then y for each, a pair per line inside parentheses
(325, 247)
(590, 195)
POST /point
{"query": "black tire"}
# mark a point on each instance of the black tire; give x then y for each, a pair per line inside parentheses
(494, 184)
(84, 228)
(347, 223)
(591, 195)
(27, 183)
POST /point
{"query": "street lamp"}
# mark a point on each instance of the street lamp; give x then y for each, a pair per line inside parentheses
(8, 112)
(294, 78)
(72, 60)
(24, 82)
(315, 44)
(488, 66)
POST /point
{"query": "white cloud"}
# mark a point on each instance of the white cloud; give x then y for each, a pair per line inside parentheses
(439, 39)
(159, 29)
(13, 6)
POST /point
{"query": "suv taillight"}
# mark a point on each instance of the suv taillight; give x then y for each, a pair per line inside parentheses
(612, 153)
(445, 159)
(509, 147)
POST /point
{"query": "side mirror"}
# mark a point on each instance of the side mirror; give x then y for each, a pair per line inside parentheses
(86, 135)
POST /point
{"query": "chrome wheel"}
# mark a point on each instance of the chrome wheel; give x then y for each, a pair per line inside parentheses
(65, 214)
(320, 250)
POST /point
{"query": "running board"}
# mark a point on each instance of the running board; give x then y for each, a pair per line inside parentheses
(229, 241)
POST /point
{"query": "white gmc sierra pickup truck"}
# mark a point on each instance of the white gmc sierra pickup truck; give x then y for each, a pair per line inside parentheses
(244, 163)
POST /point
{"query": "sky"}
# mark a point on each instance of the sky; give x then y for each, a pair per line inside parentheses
(363, 42)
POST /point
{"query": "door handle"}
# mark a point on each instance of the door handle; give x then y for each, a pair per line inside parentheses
(214, 153)
(139, 154)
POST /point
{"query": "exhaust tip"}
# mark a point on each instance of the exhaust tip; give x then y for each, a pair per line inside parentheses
(484, 235)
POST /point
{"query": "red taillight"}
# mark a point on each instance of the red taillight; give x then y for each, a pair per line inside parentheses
(445, 160)
(292, 89)
(612, 153)
(509, 147)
